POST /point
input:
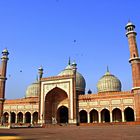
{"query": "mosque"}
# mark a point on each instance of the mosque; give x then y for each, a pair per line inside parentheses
(62, 99)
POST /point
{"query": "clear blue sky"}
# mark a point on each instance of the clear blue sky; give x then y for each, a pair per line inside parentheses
(42, 32)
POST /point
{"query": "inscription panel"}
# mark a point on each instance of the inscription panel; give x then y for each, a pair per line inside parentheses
(104, 102)
(128, 101)
(35, 106)
(93, 103)
(20, 107)
(6, 107)
(14, 107)
(28, 106)
(82, 104)
(115, 102)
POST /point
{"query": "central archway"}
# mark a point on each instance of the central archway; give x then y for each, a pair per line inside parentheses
(62, 114)
(52, 100)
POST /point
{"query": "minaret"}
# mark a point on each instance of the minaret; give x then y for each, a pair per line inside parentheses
(75, 96)
(3, 78)
(134, 55)
(40, 72)
(135, 64)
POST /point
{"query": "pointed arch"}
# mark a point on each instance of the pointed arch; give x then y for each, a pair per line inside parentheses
(13, 117)
(117, 115)
(5, 117)
(83, 116)
(62, 114)
(129, 114)
(20, 117)
(35, 117)
(93, 116)
(52, 100)
(27, 117)
(105, 115)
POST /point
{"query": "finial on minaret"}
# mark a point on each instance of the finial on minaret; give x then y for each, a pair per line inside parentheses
(69, 61)
(107, 69)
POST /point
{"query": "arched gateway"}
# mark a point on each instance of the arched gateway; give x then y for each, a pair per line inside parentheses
(62, 114)
(53, 113)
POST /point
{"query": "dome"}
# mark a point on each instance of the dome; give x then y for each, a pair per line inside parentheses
(80, 81)
(108, 83)
(32, 90)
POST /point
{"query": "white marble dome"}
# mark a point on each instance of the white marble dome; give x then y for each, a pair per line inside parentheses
(80, 81)
(32, 90)
(108, 83)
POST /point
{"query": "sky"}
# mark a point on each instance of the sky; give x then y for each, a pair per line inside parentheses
(47, 32)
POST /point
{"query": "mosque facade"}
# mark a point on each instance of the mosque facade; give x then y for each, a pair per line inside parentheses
(62, 99)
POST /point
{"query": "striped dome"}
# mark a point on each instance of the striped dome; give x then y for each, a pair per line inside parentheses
(32, 90)
(108, 83)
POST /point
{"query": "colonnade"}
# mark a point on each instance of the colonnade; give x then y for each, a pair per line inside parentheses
(116, 115)
(20, 117)
(94, 116)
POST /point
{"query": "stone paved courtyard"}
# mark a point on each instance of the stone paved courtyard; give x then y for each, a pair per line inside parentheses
(118, 132)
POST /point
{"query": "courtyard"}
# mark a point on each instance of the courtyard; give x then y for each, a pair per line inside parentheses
(105, 132)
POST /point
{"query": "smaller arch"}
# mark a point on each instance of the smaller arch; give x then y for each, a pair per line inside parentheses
(5, 117)
(20, 117)
(83, 116)
(62, 115)
(105, 115)
(13, 117)
(94, 116)
(116, 115)
(27, 117)
(35, 117)
(129, 114)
